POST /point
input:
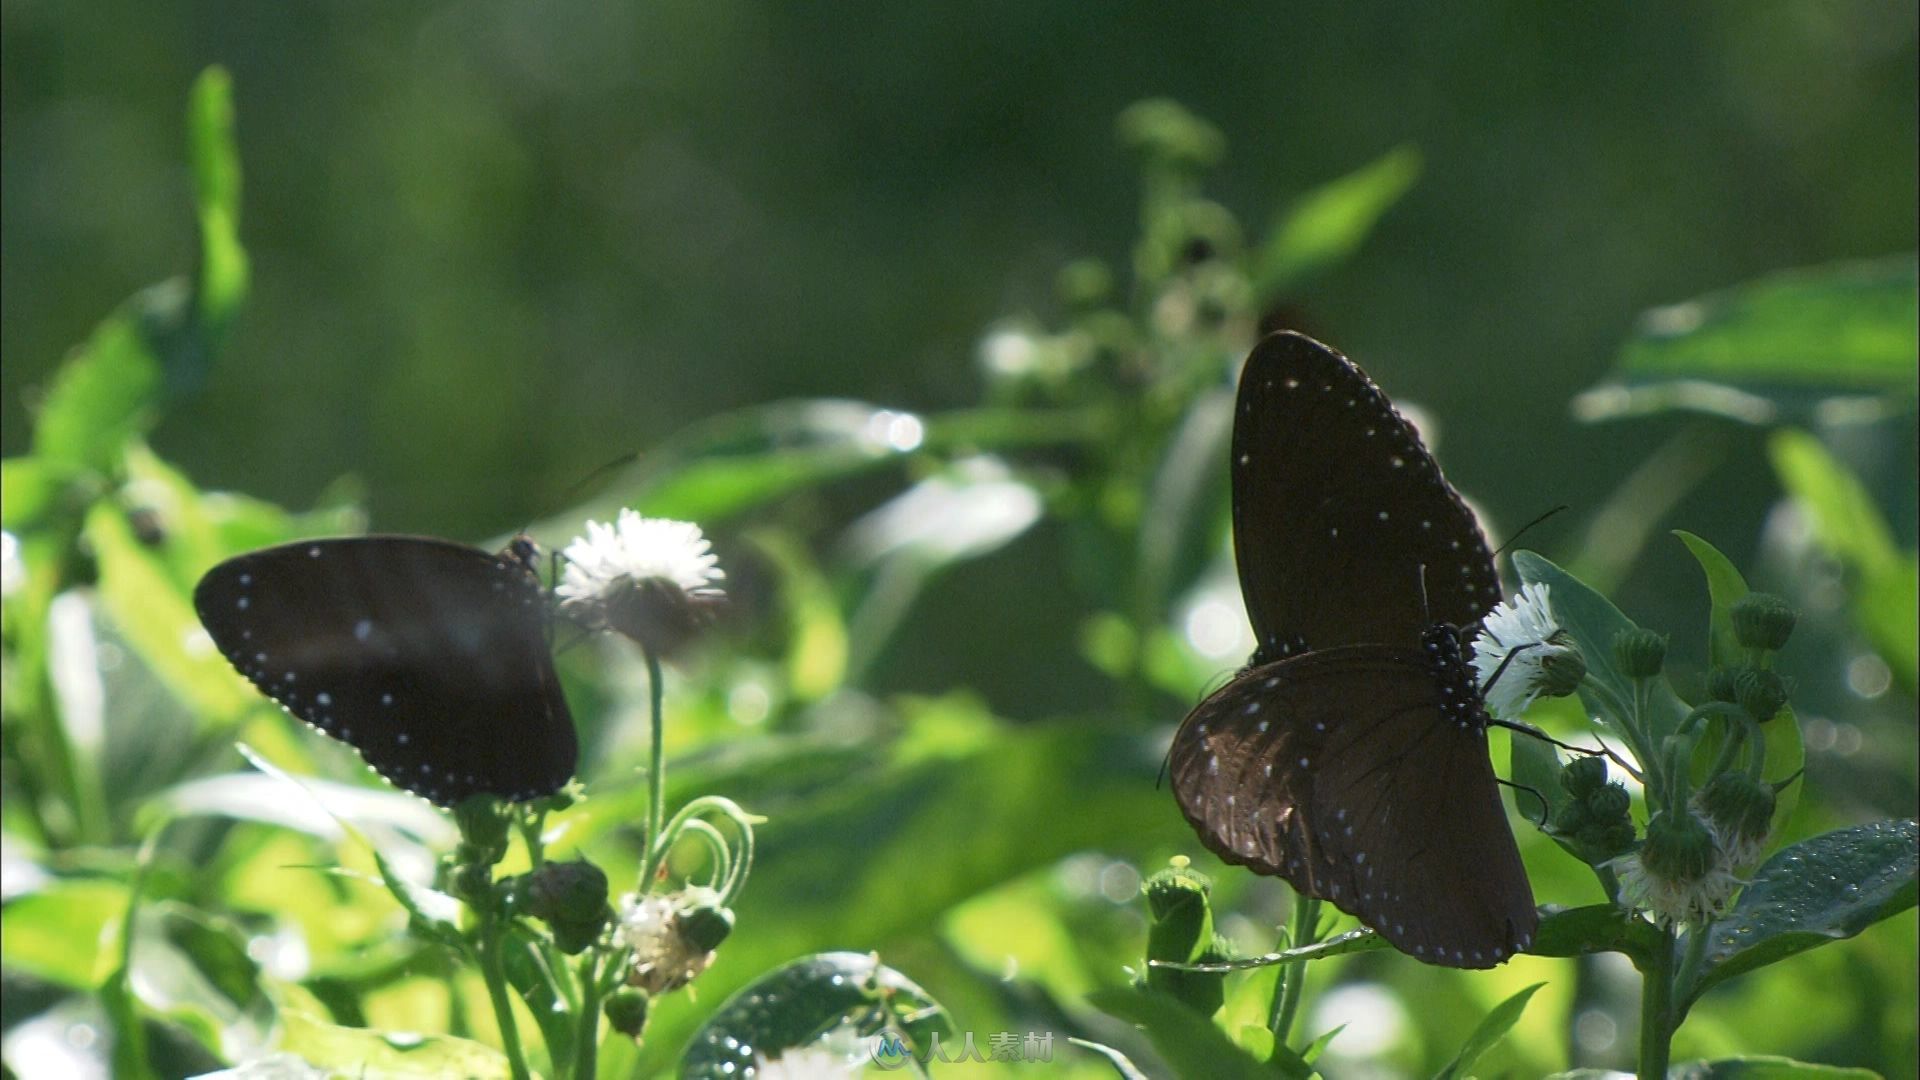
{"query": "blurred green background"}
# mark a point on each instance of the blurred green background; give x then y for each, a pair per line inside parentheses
(496, 245)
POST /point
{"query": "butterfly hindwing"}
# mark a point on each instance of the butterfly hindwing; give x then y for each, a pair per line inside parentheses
(1341, 518)
(1351, 773)
(428, 657)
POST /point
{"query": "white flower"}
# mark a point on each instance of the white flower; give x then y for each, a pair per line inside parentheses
(1522, 635)
(1672, 901)
(662, 958)
(635, 548)
(651, 579)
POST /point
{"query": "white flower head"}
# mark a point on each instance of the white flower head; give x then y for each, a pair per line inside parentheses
(1521, 642)
(651, 579)
(663, 959)
(1672, 901)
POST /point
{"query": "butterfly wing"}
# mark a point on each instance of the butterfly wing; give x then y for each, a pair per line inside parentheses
(1350, 773)
(428, 657)
(1339, 511)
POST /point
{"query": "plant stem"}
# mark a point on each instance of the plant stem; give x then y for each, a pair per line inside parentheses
(1293, 980)
(1656, 1011)
(496, 976)
(656, 779)
(586, 1037)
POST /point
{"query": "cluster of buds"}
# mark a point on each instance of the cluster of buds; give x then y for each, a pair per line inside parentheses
(1685, 870)
(1596, 821)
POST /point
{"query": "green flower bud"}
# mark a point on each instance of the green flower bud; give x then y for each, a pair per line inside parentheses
(574, 938)
(1571, 819)
(1174, 887)
(1612, 840)
(1609, 804)
(705, 926)
(1679, 847)
(626, 1011)
(567, 892)
(483, 829)
(1561, 667)
(1723, 684)
(1584, 775)
(1761, 693)
(1640, 654)
(1762, 621)
(1740, 806)
(473, 882)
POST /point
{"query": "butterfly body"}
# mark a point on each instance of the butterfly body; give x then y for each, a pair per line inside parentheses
(428, 657)
(1350, 756)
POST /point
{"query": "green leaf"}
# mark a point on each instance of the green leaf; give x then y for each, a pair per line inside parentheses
(58, 934)
(1188, 1041)
(221, 283)
(357, 1051)
(1847, 326)
(1324, 227)
(1764, 1067)
(797, 1003)
(1815, 892)
(104, 395)
(1491, 1029)
(1786, 753)
(1884, 581)
(1593, 929)
(1120, 1062)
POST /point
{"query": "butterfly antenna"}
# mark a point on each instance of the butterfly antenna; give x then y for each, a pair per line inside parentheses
(1426, 613)
(1604, 751)
(1535, 792)
(1515, 538)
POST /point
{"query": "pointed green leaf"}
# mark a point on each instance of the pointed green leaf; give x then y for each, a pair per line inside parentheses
(1592, 929)
(357, 1051)
(1842, 326)
(1188, 1041)
(1491, 1029)
(1324, 227)
(1884, 580)
(1815, 892)
(221, 284)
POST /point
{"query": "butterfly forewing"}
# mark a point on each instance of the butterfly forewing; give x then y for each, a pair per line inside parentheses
(1352, 773)
(1344, 530)
(428, 657)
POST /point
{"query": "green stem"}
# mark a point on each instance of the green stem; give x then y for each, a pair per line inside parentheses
(1293, 980)
(1691, 958)
(654, 852)
(495, 973)
(1656, 1010)
(586, 1038)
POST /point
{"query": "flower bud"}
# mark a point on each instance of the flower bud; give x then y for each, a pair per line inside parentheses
(1723, 684)
(567, 892)
(1609, 803)
(1761, 693)
(473, 882)
(626, 1012)
(483, 829)
(1175, 887)
(1561, 667)
(1679, 847)
(1762, 621)
(1584, 775)
(1571, 818)
(705, 926)
(1612, 839)
(1639, 653)
(1740, 809)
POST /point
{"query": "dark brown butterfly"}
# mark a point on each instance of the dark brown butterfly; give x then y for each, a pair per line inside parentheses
(428, 657)
(1350, 756)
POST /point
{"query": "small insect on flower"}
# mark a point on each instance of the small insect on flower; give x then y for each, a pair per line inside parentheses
(652, 579)
(1521, 653)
